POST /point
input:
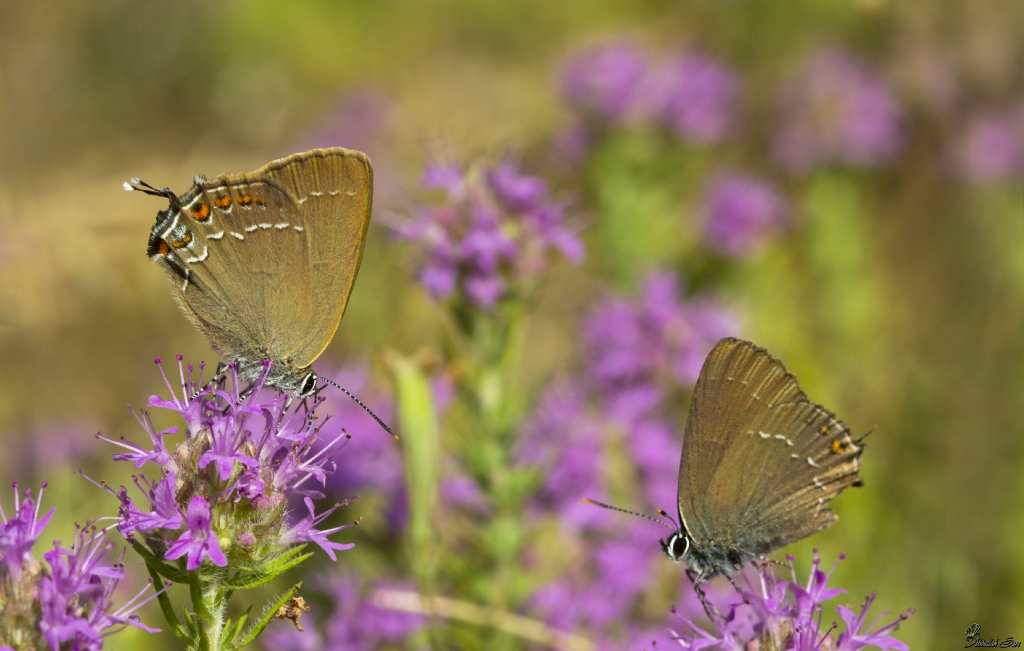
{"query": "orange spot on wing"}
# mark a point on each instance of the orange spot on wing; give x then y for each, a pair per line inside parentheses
(838, 446)
(185, 240)
(824, 430)
(222, 202)
(162, 248)
(201, 212)
(245, 199)
(258, 200)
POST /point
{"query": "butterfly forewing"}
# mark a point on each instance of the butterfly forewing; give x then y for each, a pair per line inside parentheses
(738, 383)
(334, 188)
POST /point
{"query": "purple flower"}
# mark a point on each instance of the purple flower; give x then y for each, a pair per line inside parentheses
(764, 616)
(741, 211)
(165, 513)
(67, 605)
(462, 492)
(492, 235)
(239, 454)
(603, 83)
(853, 638)
(198, 542)
(564, 444)
(303, 530)
(657, 340)
(698, 98)
(516, 190)
(19, 534)
(597, 592)
(990, 149)
(838, 111)
(226, 442)
(360, 119)
(75, 598)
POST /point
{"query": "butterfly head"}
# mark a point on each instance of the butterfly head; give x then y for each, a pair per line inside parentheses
(676, 546)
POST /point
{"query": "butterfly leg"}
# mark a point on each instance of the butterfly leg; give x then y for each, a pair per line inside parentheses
(709, 608)
(219, 378)
(735, 587)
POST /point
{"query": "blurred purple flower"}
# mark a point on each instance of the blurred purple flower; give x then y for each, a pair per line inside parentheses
(595, 594)
(55, 445)
(655, 450)
(495, 230)
(698, 98)
(371, 460)
(603, 83)
(463, 492)
(565, 445)
(19, 534)
(991, 148)
(362, 118)
(741, 211)
(763, 616)
(69, 604)
(572, 144)
(359, 119)
(653, 341)
(839, 110)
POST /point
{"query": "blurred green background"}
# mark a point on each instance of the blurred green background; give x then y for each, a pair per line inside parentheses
(897, 298)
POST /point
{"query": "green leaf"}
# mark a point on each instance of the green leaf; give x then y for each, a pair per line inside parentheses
(418, 421)
(231, 631)
(255, 580)
(267, 616)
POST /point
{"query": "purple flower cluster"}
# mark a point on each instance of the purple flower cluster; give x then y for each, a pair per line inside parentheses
(371, 462)
(494, 231)
(562, 440)
(991, 148)
(67, 602)
(615, 84)
(839, 110)
(223, 491)
(354, 624)
(605, 84)
(635, 347)
(638, 352)
(740, 212)
(779, 614)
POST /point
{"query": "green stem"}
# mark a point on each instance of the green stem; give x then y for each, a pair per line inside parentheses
(210, 606)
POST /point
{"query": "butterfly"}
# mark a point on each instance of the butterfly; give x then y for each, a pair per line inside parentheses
(759, 466)
(263, 263)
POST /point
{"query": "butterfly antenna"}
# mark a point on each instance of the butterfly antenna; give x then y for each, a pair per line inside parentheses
(358, 402)
(866, 435)
(141, 186)
(639, 515)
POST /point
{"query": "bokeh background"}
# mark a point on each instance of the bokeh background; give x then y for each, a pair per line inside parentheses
(893, 285)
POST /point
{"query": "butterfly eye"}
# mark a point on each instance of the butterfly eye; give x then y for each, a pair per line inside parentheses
(676, 547)
(308, 386)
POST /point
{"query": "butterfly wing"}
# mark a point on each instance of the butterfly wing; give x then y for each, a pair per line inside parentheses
(745, 482)
(334, 189)
(263, 263)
